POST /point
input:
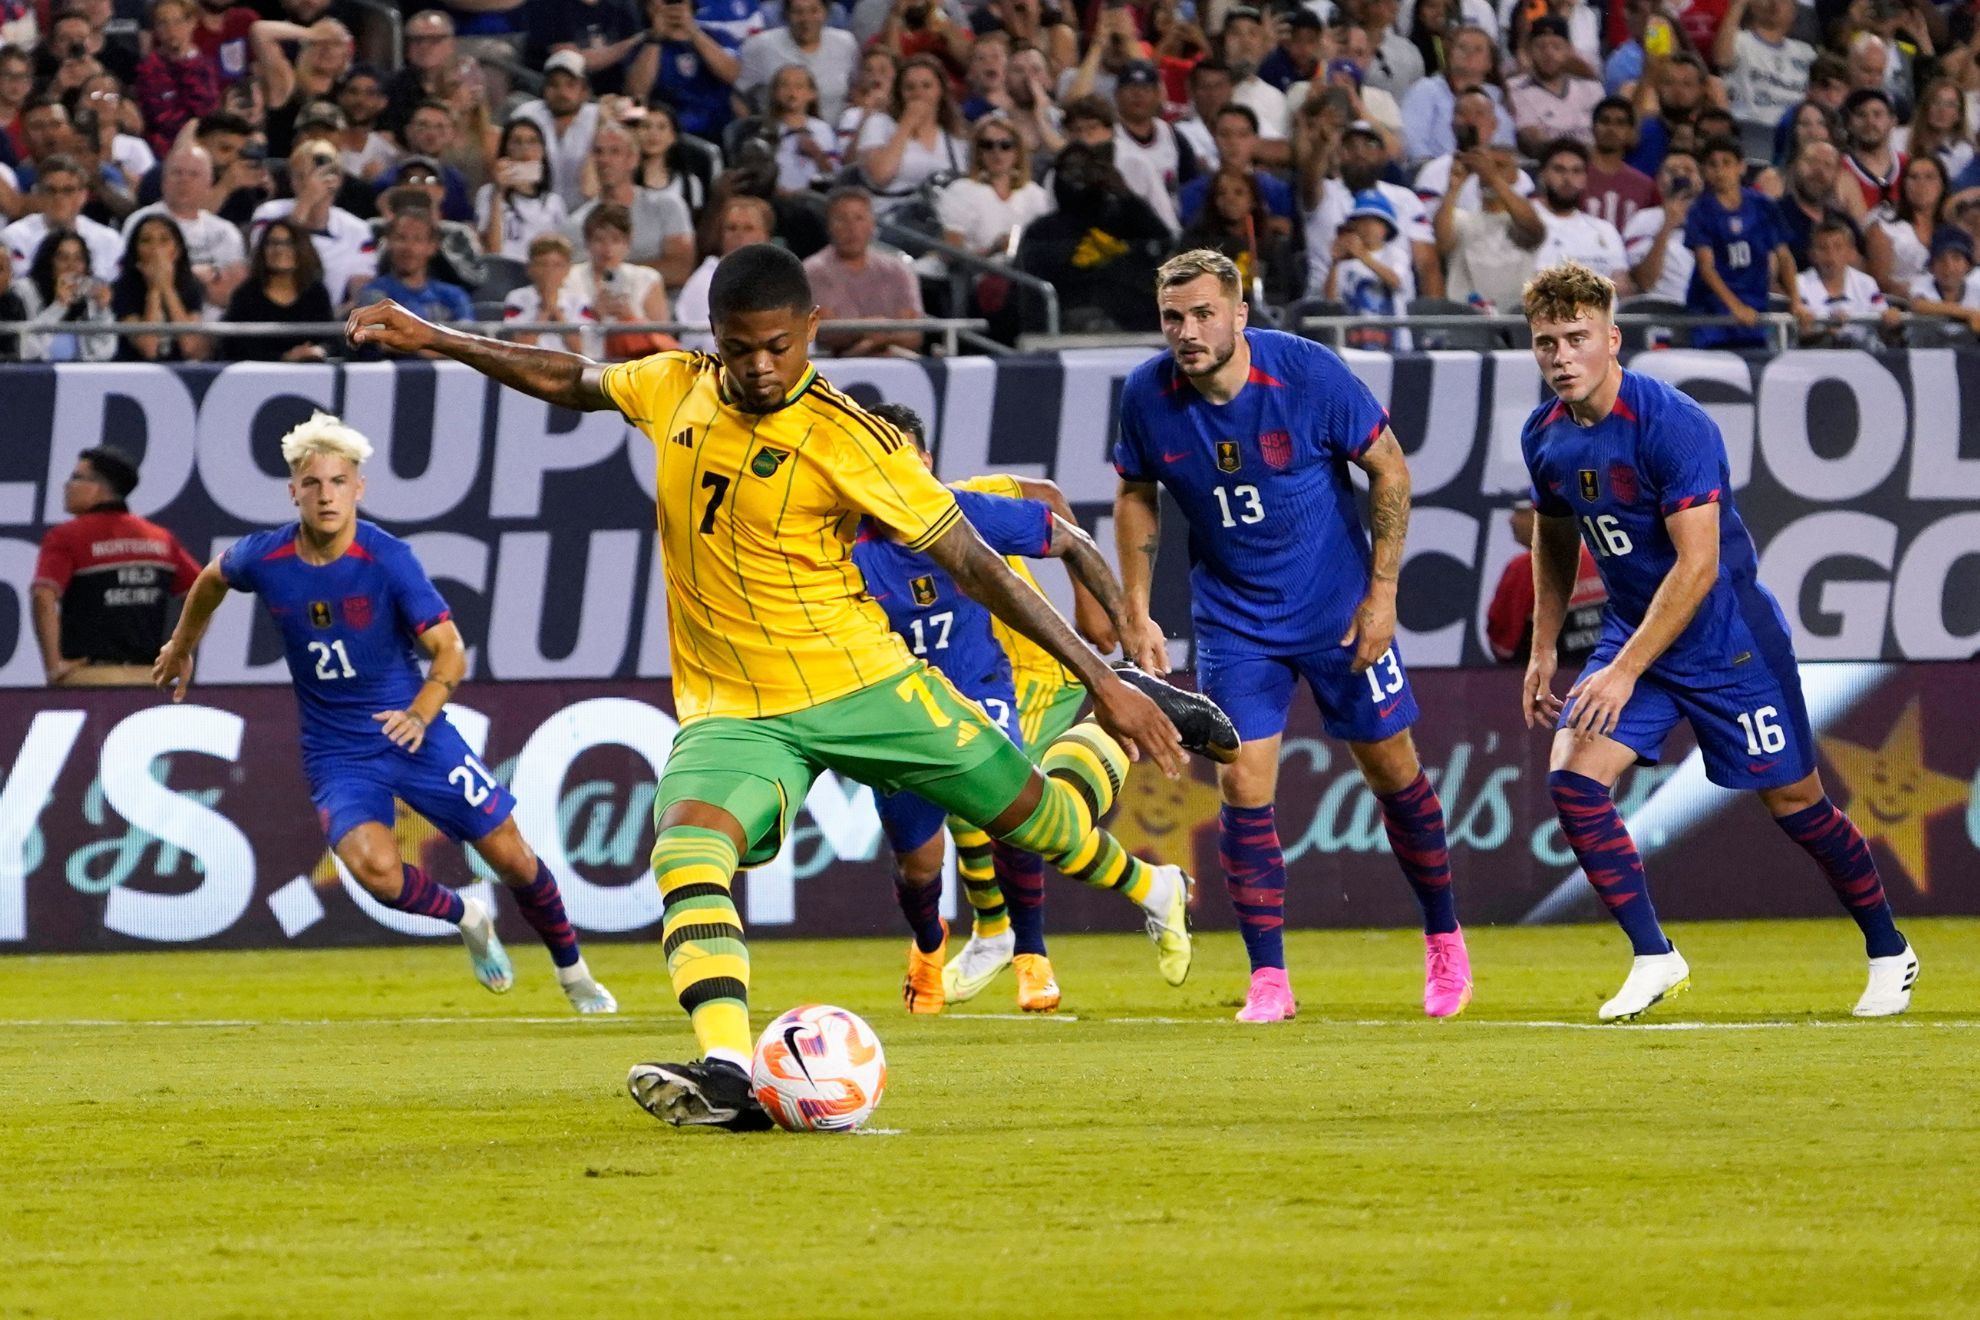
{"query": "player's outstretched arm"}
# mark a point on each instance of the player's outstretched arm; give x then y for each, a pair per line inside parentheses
(447, 666)
(565, 379)
(1600, 697)
(1556, 560)
(172, 671)
(1124, 712)
(1137, 538)
(1374, 626)
(1096, 623)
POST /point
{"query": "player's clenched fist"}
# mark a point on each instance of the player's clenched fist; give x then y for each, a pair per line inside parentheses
(388, 326)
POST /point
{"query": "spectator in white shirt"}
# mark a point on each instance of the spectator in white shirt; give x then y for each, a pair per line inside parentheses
(1765, 70)
(1660, 262)
(981, 212)
(1835, 293)
(830, 54)
(807, 148)
(1549, 101)
(549, 295)
(343, 242)
(1246, 44)
(60, 189)
(1572, 233)
(568, 117)
(213, 246)
(518, 204)
(1475, 122)
(745, 220)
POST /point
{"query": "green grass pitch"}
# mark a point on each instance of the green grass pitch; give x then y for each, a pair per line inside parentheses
(367, 1133)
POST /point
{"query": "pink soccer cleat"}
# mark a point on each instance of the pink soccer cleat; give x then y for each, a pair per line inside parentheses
(1446, 975)
(1271, 997)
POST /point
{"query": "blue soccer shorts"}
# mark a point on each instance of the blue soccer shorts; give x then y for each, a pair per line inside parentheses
(443, 781)
(1752, 732)
(1256, 692)
(910, 820)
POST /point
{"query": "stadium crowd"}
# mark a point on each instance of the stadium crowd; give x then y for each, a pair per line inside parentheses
(587, 161)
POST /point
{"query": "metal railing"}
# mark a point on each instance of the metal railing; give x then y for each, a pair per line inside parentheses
(1781, 328)
(951, 329)
(963, 263)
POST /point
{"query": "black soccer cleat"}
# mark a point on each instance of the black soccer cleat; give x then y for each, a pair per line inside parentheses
(704, 1094)
(1204, 727)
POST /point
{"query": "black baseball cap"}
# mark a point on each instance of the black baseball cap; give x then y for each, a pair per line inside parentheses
(1549, 26)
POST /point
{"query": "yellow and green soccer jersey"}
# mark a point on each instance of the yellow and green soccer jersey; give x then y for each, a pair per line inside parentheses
(1030, 663)
(766, 613)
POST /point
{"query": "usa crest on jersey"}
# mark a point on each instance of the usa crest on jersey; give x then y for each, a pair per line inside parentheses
(1229, 459)
(1276, 446)
(1622, 482)
(357, 612)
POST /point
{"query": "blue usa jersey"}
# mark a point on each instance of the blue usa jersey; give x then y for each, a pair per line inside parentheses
(348, 630)
(1655, 454)
(1278, 557)
(938, 622)
(1742, 244)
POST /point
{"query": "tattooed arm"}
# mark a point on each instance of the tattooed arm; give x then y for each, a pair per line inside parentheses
(1374, 625)
(1137, 536)
(565, 379)
(1090, 574)
(983, 576)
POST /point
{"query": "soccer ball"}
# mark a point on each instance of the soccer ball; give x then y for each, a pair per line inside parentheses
(819, 1069)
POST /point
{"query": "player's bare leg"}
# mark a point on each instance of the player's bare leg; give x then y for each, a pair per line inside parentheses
(1581, 772)
(1805, 814)
(530, 883)
(1414, 819)
(1255, 874)
(369, 852)
(918, 885)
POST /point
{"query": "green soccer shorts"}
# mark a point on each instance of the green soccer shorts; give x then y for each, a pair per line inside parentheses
(913, 732)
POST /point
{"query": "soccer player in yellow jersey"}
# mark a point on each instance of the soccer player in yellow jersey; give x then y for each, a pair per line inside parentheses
(783, 667)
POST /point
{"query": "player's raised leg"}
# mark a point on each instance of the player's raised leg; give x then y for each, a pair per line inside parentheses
(1805, 814)
(371, 855)
(1414, 820)
(541, 903)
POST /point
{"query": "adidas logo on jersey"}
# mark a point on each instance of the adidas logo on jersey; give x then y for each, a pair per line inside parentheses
(966, 734)
(683, 437)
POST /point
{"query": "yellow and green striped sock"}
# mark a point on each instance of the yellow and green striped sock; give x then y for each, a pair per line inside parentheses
(978, 873)
(702, 935)
(1084, 770)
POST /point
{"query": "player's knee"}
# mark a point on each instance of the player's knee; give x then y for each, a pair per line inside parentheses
(1569, 789)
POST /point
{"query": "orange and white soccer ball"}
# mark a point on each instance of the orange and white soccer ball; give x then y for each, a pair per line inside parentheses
(819, 1069)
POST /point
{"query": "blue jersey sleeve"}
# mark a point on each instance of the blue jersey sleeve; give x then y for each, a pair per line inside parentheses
(1701, 229)
(1131, 446)
(237, 565)
(416, 600)
(1546, 499)
(1684, 458)
(1009, 526)
(1350, 419)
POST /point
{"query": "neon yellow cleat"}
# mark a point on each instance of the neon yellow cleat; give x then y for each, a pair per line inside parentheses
(977, 966)
(1168, 923)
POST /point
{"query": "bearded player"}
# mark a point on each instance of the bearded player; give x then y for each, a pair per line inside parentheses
(355, 611)
(1639, 471)
(1252, 432)
(784, 667)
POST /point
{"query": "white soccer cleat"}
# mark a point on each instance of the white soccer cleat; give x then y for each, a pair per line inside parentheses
(1889, 990)
(587, 996)
(1653, 977)
(491, 961)
(970, 972)
(1167, 910)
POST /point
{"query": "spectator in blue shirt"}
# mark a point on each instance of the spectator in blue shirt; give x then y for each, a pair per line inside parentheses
(410, 242)
(693, 65)
(1741, 248)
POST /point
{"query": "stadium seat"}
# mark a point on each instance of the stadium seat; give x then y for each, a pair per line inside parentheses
(1482, 338)
(504, 276)
(1640, 336)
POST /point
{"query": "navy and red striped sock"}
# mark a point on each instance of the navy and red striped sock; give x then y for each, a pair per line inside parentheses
(1837, 846)
(1255, 877)
(420, 894)
(1414, 819)
(1021, 875)
(922, 906)
(1608, 857)
(542, 906)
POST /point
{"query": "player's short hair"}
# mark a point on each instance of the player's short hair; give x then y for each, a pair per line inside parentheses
(113, 467)
(1563, 292)
(324, 435)
(903, 419)
(1196, 263)
(760, 277)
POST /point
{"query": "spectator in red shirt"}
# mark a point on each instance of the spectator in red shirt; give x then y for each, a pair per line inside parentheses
(176, 82)
(1616, 189)
(222, 36)
(1509, 618)
(104, 582)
